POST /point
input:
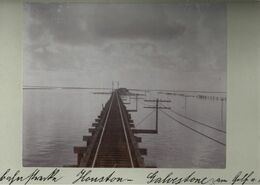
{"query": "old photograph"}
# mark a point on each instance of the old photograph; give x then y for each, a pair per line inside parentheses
(124, 85)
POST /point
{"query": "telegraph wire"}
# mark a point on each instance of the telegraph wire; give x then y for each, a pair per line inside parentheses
(145, 118)
(223, 144)
(200, 123)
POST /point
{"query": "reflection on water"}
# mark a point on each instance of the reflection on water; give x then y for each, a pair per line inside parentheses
(55, 120)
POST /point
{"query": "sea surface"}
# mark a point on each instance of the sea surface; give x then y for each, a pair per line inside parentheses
(191, 133)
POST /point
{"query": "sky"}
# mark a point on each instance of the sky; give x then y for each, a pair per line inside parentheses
(148, 46)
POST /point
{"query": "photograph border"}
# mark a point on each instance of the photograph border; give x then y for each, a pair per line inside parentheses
(243, 129)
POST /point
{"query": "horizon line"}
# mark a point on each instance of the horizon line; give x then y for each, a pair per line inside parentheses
(106, 88)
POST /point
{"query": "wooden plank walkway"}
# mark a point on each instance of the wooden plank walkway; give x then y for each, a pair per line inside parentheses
(112, 143)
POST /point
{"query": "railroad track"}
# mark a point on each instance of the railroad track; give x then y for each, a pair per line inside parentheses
(112, 143)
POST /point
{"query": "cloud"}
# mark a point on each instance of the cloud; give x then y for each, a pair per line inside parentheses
(90, 24)
(166, 38)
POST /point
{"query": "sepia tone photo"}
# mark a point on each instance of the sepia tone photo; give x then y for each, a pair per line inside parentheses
(120, 85)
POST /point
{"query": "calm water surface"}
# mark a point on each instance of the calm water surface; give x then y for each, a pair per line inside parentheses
(55, 121)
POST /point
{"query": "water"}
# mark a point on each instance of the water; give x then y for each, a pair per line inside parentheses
(56, 120)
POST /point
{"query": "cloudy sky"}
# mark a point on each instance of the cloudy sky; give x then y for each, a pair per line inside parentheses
(159, 46)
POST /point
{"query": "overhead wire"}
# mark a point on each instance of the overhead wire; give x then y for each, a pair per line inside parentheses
(194, 130)
(148, 115)
(145, 118)
(198, 122)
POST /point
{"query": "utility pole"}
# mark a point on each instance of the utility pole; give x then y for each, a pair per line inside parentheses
(222, 107)
(112, 86)
(136, 101)
(185, 102)
(156, 118)
(156, 107)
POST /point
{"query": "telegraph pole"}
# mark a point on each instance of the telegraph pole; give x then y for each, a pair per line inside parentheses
(112, 86)
(185, 102)
(222, 107)
(136, 101)
(156, 107)
(156, 123)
